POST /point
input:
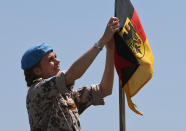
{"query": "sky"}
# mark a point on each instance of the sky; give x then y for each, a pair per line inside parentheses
(71, 28)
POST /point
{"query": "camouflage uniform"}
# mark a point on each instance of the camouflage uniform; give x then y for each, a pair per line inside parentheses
(52, 106)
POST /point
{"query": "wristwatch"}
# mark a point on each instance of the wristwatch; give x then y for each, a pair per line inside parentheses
(97, 46)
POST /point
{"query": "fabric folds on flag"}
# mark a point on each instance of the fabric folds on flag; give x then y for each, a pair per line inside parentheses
(133, 56)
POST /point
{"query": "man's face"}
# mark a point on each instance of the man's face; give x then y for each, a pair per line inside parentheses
(49, 65)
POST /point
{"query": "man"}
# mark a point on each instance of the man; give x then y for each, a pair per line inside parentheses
(52, 103)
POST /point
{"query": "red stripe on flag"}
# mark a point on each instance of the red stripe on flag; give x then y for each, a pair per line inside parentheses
(138, 26)
(120, 63)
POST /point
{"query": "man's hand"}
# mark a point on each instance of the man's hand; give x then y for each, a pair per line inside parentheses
(112, 27)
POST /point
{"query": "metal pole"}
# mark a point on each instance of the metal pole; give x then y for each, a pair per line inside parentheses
(122, 108)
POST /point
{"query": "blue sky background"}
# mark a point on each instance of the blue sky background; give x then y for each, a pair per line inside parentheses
(71, 28)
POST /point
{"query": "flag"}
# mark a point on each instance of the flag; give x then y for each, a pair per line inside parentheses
(133, 56)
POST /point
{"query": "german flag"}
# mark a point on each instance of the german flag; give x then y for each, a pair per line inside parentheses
(133, 56)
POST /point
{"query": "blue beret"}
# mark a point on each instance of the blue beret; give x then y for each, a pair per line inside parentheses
(34, 54)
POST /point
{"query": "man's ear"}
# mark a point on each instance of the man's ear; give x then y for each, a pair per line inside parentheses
(37, 71)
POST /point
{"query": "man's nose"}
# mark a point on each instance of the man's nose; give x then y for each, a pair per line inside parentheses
(57, 61)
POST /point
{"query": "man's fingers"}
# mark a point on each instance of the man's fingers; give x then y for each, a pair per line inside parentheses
(117, 29)
(113, 20)
(115, 26)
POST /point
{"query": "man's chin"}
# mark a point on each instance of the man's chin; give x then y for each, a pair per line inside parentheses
(58, 70)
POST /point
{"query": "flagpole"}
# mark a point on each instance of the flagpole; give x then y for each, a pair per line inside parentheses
(122, 108)
(121, 101)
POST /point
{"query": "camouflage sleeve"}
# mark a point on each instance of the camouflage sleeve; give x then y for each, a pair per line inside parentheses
(84, 97)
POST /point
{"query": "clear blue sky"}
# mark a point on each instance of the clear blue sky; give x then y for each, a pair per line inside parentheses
(72, 27)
